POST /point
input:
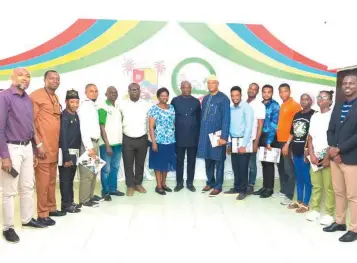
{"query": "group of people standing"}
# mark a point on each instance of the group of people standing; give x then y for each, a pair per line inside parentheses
(37, 136)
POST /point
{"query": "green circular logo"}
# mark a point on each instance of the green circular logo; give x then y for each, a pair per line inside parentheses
(195, 70)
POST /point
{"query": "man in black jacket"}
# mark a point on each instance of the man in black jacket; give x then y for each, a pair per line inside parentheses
(342, 139)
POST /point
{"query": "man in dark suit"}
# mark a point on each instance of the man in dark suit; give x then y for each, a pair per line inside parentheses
(342, 139)
(187, 122)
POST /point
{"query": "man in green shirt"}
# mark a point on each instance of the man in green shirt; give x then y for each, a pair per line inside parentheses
(110, 143)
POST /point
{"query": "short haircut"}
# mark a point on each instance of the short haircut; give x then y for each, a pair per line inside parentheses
(329, 93)
(236, 88)
(255, 84)
(162, 90)
(350, 75)
(90, 85)
(284, 85)
(133, 84)
(267, 86)
(50, 71)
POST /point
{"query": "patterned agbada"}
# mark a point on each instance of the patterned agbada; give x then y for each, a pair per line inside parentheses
(215, 117)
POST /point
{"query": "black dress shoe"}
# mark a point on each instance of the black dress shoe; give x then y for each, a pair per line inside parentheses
(166, 189)
(97, 199)
(47, 221)
(191, 188)
(33, 224)
(178, 188)
(267, 193)
(57, 213)
(348, 237)
(71, 209)
(241, 196)
(11, 236)
(79, 206)
(259, 192)
(335, 227)
(160, 191)
(117, 193)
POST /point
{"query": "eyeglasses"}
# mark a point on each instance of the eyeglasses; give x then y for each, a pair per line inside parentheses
(322, 97)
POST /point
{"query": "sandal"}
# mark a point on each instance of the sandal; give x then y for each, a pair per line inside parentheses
(294, 205)
(302, 209)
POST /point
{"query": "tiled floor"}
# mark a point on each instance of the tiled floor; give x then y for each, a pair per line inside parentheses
(180, 227)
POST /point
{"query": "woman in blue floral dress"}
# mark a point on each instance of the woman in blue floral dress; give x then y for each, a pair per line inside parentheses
(162, 156)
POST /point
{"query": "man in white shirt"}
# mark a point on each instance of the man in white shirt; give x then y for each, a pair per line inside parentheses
(135, 139)
(90, 132)
(259, 116)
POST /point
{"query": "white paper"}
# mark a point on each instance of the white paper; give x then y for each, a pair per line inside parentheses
(71, 152)
(314, 167)
(214, 138)
(237, 143)
(273, 156)
(92, 164)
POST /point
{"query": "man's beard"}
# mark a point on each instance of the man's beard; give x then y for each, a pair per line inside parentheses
(22, 87)
(94, 100)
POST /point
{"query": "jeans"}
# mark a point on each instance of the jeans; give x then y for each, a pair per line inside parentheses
(303, 180)
(252, 168)
(109, 173)
(240, 164)
(286, 174)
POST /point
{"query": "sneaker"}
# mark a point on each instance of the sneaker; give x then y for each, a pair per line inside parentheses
(285, 201)
(326, 220)
(107, 198)
(91, 203)
(11, 236)
(278, 195)
(97, 199)
(313, 216)
(241, 196)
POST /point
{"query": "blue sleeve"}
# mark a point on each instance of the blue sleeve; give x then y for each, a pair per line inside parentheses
(226, 117)
(4, 109)
(249, 119)
(153, 112)
(273, 123)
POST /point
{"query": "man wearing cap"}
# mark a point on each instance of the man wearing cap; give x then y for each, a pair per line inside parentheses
(16, 152)
(47, 113)
(215, 121)
(70, 143)
(90, 132)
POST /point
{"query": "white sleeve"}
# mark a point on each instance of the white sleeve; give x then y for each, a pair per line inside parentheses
(84, 120)
(261, 112)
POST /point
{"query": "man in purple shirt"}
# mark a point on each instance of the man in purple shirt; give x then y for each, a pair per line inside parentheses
(16, 152)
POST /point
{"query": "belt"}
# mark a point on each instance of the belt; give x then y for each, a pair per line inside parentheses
(19, 142)
(135, 138)
(94, 140)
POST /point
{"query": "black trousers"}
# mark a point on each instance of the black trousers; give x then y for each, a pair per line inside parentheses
(66, 177)
(268, 175)
(240, 164)
(191, 164)
(134, 153)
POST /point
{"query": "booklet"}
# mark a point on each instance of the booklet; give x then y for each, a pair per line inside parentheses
(273, 156)
(92, 164)
(74, 153)
(237, 143)
(214, 138)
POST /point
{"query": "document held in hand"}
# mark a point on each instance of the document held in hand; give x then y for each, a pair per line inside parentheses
(214, 138)
(237, 143)
(92, 164)
(273, 156)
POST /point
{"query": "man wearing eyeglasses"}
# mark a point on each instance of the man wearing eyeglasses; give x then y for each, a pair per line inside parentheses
(135, 139)
(47, 112)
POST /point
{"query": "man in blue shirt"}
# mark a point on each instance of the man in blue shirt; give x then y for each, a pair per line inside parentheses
(240, 148)
(187, 122)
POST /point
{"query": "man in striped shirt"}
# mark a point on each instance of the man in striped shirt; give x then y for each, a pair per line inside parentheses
(342, 139)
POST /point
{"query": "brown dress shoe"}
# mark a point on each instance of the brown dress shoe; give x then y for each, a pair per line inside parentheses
(215, 192)
(206, 188)
(130, 191)
(140, 189)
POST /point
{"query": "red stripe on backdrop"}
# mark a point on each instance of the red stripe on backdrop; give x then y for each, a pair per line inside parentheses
(268, 38)
(66, 36)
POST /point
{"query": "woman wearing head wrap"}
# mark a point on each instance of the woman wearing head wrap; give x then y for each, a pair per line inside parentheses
(298, 136)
